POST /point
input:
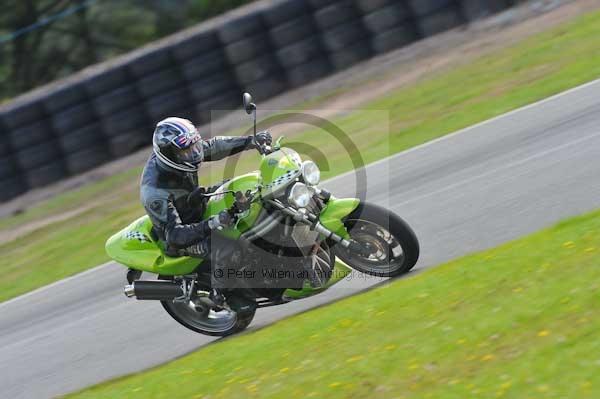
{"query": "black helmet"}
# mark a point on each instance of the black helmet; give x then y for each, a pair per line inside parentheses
(177, 144)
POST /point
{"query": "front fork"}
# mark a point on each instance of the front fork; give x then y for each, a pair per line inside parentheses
(332, 216)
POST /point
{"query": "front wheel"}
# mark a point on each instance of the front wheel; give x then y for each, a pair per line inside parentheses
(393, 248)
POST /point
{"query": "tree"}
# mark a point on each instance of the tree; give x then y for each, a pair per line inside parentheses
(68, 35)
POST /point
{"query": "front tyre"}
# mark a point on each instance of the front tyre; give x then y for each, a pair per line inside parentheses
(392, 245)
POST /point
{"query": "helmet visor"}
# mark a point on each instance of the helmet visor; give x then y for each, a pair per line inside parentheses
(189, 147)
(192, 154)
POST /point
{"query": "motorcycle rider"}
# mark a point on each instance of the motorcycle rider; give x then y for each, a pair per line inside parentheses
(169, 187)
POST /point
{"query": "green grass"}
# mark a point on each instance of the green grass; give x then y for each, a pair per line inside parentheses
(538, 67)
(517, 321)
(71, 199)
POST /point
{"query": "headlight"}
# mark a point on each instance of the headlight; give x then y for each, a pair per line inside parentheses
(300, 195)
(311, 173)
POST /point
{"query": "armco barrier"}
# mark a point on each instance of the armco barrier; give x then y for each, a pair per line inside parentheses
(108, 110)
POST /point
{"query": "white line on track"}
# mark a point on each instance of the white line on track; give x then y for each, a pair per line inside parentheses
(469, 128)
(55, 284)
(501, 168)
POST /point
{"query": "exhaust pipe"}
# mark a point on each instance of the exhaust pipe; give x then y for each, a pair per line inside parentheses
(153, 290)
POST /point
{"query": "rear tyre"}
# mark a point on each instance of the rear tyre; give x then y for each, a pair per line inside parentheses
(208, 322)
(394, 245)
(199, 317)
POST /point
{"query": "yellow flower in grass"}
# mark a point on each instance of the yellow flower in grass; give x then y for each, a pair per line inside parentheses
(543, 333)
(252, 387)
(284, 370)
(346, 323)
(355, 359)
(590, 249)
(568, 244)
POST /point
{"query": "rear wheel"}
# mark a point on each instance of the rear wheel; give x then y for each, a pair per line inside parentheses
(199, 318)
(198, 315)
(393, 248)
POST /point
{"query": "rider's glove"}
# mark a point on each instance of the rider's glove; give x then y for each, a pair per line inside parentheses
(212, 189)
(262, 138)
(220, 221)
(196, 198)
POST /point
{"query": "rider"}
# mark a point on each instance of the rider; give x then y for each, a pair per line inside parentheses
(169, 187)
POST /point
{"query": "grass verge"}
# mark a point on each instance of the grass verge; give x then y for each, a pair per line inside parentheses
(516, 321)
(538, 67)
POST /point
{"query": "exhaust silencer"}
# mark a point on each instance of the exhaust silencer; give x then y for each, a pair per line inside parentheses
(153, 290)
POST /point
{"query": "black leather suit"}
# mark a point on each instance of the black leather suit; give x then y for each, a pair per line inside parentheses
(166, 195)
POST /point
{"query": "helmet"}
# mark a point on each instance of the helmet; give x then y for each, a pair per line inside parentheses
(177, 144)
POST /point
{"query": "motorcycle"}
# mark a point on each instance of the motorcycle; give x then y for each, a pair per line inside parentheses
(287, 231)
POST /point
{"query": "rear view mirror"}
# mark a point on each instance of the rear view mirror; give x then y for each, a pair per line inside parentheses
(249, 106)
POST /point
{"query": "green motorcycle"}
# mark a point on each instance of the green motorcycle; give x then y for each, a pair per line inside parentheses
(287, 233)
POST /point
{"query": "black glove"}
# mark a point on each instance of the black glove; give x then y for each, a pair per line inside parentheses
(196, 198)
(220, 221)
(262, 138)
(213, 188)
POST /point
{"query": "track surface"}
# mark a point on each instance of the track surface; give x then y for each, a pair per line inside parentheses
(465, 192)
